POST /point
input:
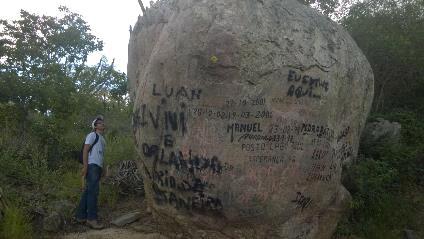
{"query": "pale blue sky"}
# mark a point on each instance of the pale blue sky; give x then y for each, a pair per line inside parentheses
(109, 20)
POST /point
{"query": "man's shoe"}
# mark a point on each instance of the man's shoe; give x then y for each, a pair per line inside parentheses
(94, 224)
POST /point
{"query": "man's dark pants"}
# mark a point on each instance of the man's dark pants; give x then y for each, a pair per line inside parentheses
(88, 205)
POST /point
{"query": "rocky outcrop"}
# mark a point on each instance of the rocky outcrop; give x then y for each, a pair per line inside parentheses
(381, 130)
(244, 113)
(59, 215)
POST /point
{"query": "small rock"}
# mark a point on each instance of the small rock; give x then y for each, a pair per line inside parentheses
(126, 219)
(382, 129)
(53, 222)
(63, 207)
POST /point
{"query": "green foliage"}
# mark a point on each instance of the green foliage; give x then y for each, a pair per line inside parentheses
(68, 186)
(327, 7)
(15, 224)
(387, 184)
(390, 33)
(48, 99)
(108, 195)
(412, 127)
(49, 92)
(23, 164)
(119, 149)
(39, 57)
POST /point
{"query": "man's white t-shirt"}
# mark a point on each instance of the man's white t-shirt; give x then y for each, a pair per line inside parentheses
(95, 156)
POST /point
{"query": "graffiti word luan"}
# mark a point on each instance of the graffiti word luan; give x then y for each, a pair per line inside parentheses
(178, 93)
(180, 162)
(243, 128)
(301, 201)
(197, 201)
(308, 85)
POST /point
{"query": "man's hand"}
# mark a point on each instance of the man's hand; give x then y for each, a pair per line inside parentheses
(82, 183)
(105, 171)
(84, 171)
(83, 174)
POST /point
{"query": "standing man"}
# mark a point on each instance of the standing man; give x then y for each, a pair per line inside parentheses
(93, 153)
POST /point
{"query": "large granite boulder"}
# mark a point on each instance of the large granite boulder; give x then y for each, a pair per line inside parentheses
(244, 113)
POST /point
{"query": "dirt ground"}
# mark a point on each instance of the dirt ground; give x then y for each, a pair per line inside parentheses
(113, 233)
(144, 228)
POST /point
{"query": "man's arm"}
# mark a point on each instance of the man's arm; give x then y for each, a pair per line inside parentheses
(85, 159)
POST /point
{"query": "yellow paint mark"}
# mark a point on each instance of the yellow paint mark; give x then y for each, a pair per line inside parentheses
(214, 59)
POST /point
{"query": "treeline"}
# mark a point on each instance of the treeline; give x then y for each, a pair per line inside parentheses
(48, 93)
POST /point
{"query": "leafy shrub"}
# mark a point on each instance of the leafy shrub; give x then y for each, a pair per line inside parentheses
(68, 186)
(15, 224)
(108, 195)
(24, 163)
(119, 148)
(386, 184)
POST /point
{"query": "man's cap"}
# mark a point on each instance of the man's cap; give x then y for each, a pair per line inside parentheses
(95, 120)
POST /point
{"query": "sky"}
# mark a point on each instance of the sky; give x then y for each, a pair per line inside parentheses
(109, 20)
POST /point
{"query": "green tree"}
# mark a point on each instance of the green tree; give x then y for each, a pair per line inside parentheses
(44, 76)
(103, 81)
(386, 183)
(327, 7)
(391, 33)
(40, 56)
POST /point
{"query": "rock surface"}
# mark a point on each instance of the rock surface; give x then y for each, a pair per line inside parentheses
(244, 113)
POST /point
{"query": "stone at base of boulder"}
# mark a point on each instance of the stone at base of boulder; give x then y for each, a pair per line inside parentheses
(126, 219)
